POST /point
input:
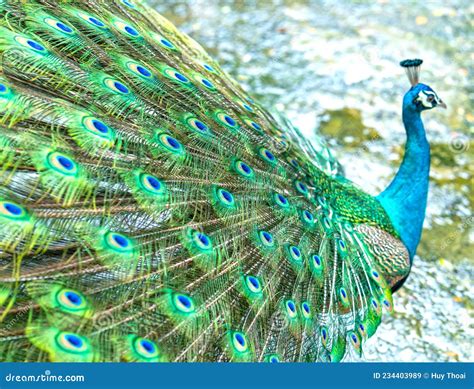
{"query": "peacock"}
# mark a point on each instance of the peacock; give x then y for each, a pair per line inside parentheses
(152, 211)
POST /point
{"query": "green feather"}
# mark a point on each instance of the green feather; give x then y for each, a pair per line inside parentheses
(136, 349)
(60, 345)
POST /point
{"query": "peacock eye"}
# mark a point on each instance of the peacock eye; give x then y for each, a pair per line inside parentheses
(430, 98)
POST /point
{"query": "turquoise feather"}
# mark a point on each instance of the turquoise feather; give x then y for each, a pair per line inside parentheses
(405, 198)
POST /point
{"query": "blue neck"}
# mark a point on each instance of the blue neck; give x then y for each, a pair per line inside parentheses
(404, 199)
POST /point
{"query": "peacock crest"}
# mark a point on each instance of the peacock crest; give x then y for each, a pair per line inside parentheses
(151, 210)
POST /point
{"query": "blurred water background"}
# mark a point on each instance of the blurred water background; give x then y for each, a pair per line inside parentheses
(332, 68)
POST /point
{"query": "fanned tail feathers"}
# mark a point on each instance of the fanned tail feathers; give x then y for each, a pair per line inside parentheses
(151, 211)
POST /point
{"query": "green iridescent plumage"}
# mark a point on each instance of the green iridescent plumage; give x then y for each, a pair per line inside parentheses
(150, 210)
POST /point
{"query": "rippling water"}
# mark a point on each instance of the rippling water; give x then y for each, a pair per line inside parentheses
(333, 69)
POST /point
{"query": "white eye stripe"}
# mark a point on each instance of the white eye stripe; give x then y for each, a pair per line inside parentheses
(427, 98)
(431, 93)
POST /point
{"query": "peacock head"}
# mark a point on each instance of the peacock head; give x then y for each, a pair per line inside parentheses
(420, 97)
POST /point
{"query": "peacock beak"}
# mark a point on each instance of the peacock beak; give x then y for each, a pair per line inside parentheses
(442, 104)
